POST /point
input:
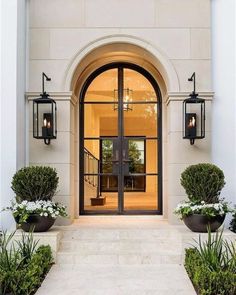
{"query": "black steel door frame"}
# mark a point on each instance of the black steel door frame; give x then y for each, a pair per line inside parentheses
(121, 138)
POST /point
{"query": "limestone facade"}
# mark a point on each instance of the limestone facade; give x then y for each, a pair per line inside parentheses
(70, 39)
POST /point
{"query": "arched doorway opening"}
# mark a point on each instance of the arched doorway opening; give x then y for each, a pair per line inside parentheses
(120, 119)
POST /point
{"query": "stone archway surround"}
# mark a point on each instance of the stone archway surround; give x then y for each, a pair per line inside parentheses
(121, 49)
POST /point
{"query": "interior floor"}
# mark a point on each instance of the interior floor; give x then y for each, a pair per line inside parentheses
(132, 201)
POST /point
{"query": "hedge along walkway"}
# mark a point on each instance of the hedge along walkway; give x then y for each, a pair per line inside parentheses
(119, 255)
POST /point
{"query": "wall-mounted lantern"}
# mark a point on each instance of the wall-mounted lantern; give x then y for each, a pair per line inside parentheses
(193, 115)
(44, 115)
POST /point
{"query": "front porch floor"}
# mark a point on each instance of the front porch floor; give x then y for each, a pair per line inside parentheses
(120, 255)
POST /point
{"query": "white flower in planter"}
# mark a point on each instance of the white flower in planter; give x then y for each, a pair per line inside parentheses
(48, 208)
(188, 208)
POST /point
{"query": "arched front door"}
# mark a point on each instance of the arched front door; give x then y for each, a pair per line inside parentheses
(120, 142)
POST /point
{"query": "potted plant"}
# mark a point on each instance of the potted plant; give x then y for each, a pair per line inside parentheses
(204, 209)
(33, 208)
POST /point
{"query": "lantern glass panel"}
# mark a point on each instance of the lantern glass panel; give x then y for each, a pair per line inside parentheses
(44, 119)
(194, 120)
(35, 120)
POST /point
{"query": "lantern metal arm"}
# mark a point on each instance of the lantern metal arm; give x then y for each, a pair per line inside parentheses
(193, 96)
(43, 79)
(193, 79)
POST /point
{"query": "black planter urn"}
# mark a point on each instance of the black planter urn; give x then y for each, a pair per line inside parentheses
(200, 223)
(38, 223)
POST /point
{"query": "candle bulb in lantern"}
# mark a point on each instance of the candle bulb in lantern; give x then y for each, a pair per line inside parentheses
(191, 128)
(44, 128)
(49, 129)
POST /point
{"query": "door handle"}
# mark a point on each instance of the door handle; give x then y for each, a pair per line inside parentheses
(126, 160)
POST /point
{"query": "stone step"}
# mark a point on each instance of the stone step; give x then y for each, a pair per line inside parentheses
(117, 280)
(162, 246)
(116, 234)
(118, 259)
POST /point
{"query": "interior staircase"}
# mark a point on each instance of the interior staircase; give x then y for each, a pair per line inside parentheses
(119, 255)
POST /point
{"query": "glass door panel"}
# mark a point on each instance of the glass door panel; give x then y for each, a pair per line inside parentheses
(102, 87)
(100, 175)
(141, 121)
(142, 89)
(99, 201)
(145, 200)
(134, 164)
(100, 191)
(151, 156)
(100, 120)
(109, 165)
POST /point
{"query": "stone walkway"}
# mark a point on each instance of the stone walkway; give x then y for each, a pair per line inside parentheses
(119, 255)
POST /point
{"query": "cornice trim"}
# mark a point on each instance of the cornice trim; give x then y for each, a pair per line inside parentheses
(58, 96)
(180, 96)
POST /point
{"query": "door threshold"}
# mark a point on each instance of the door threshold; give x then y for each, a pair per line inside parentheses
(141, 216)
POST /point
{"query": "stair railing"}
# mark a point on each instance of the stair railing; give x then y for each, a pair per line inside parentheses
(91, 170)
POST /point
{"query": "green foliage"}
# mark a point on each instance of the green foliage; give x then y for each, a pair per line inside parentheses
(233, 222)
(10, 261)
(212, 266)
(23, 269)
(136, 164)
(216, 253)
(203, 182)
(35, 183)
(107, 154)
(27, 246)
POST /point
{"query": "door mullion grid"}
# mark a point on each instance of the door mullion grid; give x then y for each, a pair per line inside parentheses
(120, 139)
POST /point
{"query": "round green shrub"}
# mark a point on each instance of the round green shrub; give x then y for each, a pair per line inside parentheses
(203, 182)
(35, 183)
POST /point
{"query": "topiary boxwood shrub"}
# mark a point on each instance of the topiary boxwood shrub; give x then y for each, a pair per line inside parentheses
(203, 182)
(35, 183)
(207, 281)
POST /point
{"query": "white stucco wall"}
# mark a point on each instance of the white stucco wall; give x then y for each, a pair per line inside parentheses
(224, 86)
(12, 100)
